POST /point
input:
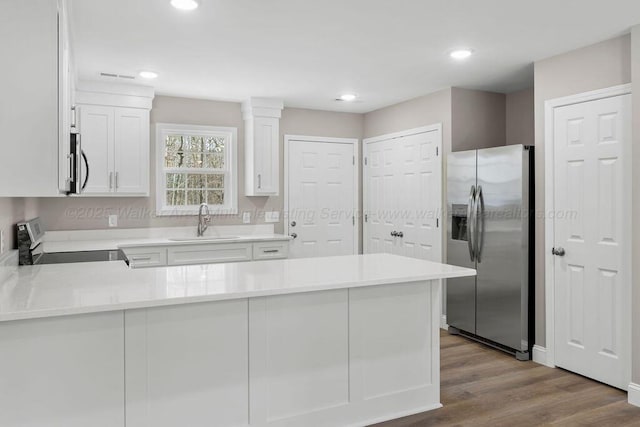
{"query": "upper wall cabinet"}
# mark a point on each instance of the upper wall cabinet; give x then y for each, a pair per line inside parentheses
(262, 146)
(36, 85)
(114, 129)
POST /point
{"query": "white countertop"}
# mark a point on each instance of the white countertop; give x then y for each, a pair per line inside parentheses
(97, 240)
(64, 289)
(113, 244)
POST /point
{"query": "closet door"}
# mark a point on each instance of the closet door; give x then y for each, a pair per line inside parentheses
(380, 181)
(403, 194)
(419, 194)
(97, 135)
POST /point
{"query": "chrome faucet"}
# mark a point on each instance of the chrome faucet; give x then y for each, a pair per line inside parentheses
(204, 217)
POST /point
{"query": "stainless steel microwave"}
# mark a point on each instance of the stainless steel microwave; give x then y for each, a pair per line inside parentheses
(78, 179)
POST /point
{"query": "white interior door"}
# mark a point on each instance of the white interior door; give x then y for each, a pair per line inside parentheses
(591, 243)
(379, 184)
(321, 198)
(419, 196)
(403, 194)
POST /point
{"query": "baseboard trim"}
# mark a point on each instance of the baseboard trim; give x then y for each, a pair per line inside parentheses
(539, 355)
(443, 322)
(634, 394)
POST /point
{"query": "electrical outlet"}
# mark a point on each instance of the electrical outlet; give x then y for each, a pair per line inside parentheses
(113, 220)
(1, 242)
(246, 218)
(273, 216)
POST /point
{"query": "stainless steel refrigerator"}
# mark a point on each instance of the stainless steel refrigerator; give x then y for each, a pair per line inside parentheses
(490, 228)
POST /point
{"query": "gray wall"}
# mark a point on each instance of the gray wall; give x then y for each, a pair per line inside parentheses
(635, 210)
(520, 117)
(12, 210)
(91, 213)
(477, 119)
(417, 112)
(594, 67)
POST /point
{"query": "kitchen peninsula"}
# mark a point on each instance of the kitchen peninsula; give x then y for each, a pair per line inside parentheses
(346, 340)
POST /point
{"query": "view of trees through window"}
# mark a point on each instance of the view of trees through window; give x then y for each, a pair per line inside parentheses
(194, 170)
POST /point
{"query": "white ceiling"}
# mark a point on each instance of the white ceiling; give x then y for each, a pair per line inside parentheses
(309, 52)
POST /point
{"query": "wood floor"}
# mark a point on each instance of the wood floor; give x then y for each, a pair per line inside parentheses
(485, 387)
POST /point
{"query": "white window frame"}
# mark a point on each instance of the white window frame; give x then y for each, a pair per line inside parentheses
(230, 207)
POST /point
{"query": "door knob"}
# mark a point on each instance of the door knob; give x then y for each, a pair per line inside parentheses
(558, 251)
(294, 235)
(293, 223)
(400, 234)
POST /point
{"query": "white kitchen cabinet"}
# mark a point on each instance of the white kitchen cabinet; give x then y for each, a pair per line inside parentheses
(209, 253)
(116, 143)
(97, 139)
(187, 365)
(146, 256)
(63, 371)
(34, 104)
(262, 146)
(132, 147)
(270, 250)
(205, 253)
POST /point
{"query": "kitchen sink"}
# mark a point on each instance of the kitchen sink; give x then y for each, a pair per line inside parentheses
(203, 239)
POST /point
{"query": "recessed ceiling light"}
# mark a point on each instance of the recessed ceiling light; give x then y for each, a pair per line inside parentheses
(461, 53)
(185, 4)
(148, 74)
(348, 97)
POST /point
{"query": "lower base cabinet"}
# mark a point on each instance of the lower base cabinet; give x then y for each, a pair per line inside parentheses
(63, 371)
(201, 253)
(187, 365)
(327, 358)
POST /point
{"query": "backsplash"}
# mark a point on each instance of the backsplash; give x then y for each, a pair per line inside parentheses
(12, 210)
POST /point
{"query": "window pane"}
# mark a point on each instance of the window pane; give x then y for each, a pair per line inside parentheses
(175, 180)
(195, 197)
(214, 144)
(192, 160)
(175, 197)
(196, 181)
(195, 143)
(175, 159)
(173, 143)
(215, 197)
(215, 161)
(215, 181)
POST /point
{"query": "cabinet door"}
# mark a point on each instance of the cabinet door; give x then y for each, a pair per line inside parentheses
(96, 130)
(29, 101)
(266, 156)
(63, 372)
(132, 151)
(187, 365)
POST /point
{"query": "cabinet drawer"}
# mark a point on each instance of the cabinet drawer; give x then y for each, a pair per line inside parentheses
(209, 253)
(146, 257)
(270, 250)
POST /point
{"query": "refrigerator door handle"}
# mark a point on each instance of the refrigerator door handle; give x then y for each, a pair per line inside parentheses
(471, 222)
(479, 217)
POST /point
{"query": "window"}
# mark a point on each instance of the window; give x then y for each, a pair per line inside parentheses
(196, 164)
